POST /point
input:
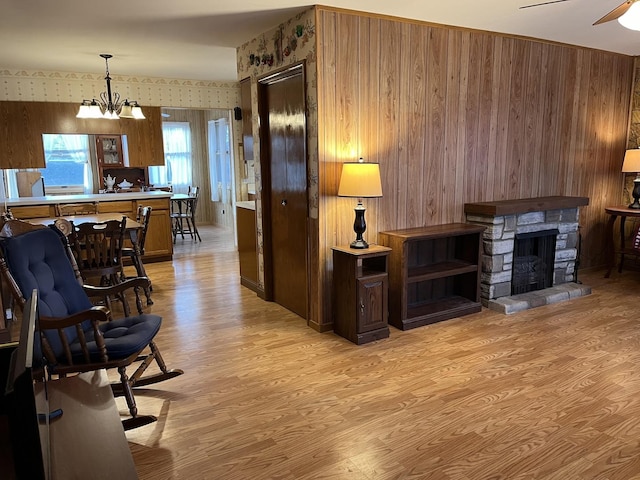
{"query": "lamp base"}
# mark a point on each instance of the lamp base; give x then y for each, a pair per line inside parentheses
(359, 226)
(636, 194)
(359, 243)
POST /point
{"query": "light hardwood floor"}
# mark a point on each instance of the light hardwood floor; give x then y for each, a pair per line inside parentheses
(551, 393)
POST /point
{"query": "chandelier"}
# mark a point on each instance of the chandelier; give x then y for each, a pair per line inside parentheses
(109, 105)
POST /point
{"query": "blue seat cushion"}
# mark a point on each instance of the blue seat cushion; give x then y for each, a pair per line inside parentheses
(123, 337)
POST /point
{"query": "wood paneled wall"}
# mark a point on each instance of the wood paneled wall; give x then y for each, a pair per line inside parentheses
(23, 123)
(456, 116)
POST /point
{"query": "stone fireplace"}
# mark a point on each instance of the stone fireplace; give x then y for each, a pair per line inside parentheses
(541, 269)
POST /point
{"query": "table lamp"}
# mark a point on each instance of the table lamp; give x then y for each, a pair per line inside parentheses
(631, 164)
(360, 180)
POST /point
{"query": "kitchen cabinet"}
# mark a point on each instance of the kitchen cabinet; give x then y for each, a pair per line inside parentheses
(33, 211)
(248, 245)
(25, 122)
(109, 151)
(159, 241)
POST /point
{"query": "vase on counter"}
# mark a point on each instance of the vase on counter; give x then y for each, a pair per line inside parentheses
(109, 183)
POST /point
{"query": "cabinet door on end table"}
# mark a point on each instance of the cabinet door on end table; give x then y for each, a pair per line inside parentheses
(372, 302)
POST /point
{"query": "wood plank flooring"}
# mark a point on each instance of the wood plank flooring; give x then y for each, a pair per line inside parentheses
(550, 393)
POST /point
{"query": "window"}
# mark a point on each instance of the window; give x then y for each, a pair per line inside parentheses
(219, 160)
(68, 162)
(177, 157)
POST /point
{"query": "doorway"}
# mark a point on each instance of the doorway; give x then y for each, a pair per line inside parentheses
(199, 152)
(284, 196)
(221, 171)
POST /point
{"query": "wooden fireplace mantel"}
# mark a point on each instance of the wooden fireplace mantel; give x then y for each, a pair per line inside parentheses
(524, 205)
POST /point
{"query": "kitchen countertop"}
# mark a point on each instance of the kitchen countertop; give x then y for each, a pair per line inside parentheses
(95, 197)
(248, 204)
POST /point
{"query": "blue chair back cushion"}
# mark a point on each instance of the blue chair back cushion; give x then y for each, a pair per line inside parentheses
(38, 259)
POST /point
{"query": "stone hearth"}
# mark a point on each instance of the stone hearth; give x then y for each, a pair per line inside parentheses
(507, 218)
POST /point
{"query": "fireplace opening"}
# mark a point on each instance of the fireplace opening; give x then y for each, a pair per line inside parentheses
(533, 261)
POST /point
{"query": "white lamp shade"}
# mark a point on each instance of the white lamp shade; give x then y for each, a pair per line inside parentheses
(631, 18)
(125, 111)
(631, 162)
(137, 112)
(111, 115)
(361, 180)
(89, 110)
(84, 111)
(95, 111)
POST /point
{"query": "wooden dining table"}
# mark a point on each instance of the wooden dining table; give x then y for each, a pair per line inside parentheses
(88, 218)
(132, 227)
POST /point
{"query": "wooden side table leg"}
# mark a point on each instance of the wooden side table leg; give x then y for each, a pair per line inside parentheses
(622, 220)
(609, 248)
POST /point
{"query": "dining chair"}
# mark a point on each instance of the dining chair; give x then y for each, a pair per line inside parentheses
(66, 209)
(136, 251)
(76, 335)
(97, 249)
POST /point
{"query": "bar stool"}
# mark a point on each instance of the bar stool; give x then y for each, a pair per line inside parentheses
(183, 216)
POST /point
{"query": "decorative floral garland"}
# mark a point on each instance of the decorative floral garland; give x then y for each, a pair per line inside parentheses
(300, 33)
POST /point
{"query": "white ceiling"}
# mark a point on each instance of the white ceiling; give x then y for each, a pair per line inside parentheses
(196, 39)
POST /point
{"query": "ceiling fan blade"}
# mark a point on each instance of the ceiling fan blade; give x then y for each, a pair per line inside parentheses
(543, 3)
(616, 12)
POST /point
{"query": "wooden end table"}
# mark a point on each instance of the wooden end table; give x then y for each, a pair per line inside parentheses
(615, 212)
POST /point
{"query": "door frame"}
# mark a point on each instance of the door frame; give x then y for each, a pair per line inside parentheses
(265, 174)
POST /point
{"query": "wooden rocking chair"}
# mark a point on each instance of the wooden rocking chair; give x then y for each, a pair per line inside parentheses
(78, 336)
